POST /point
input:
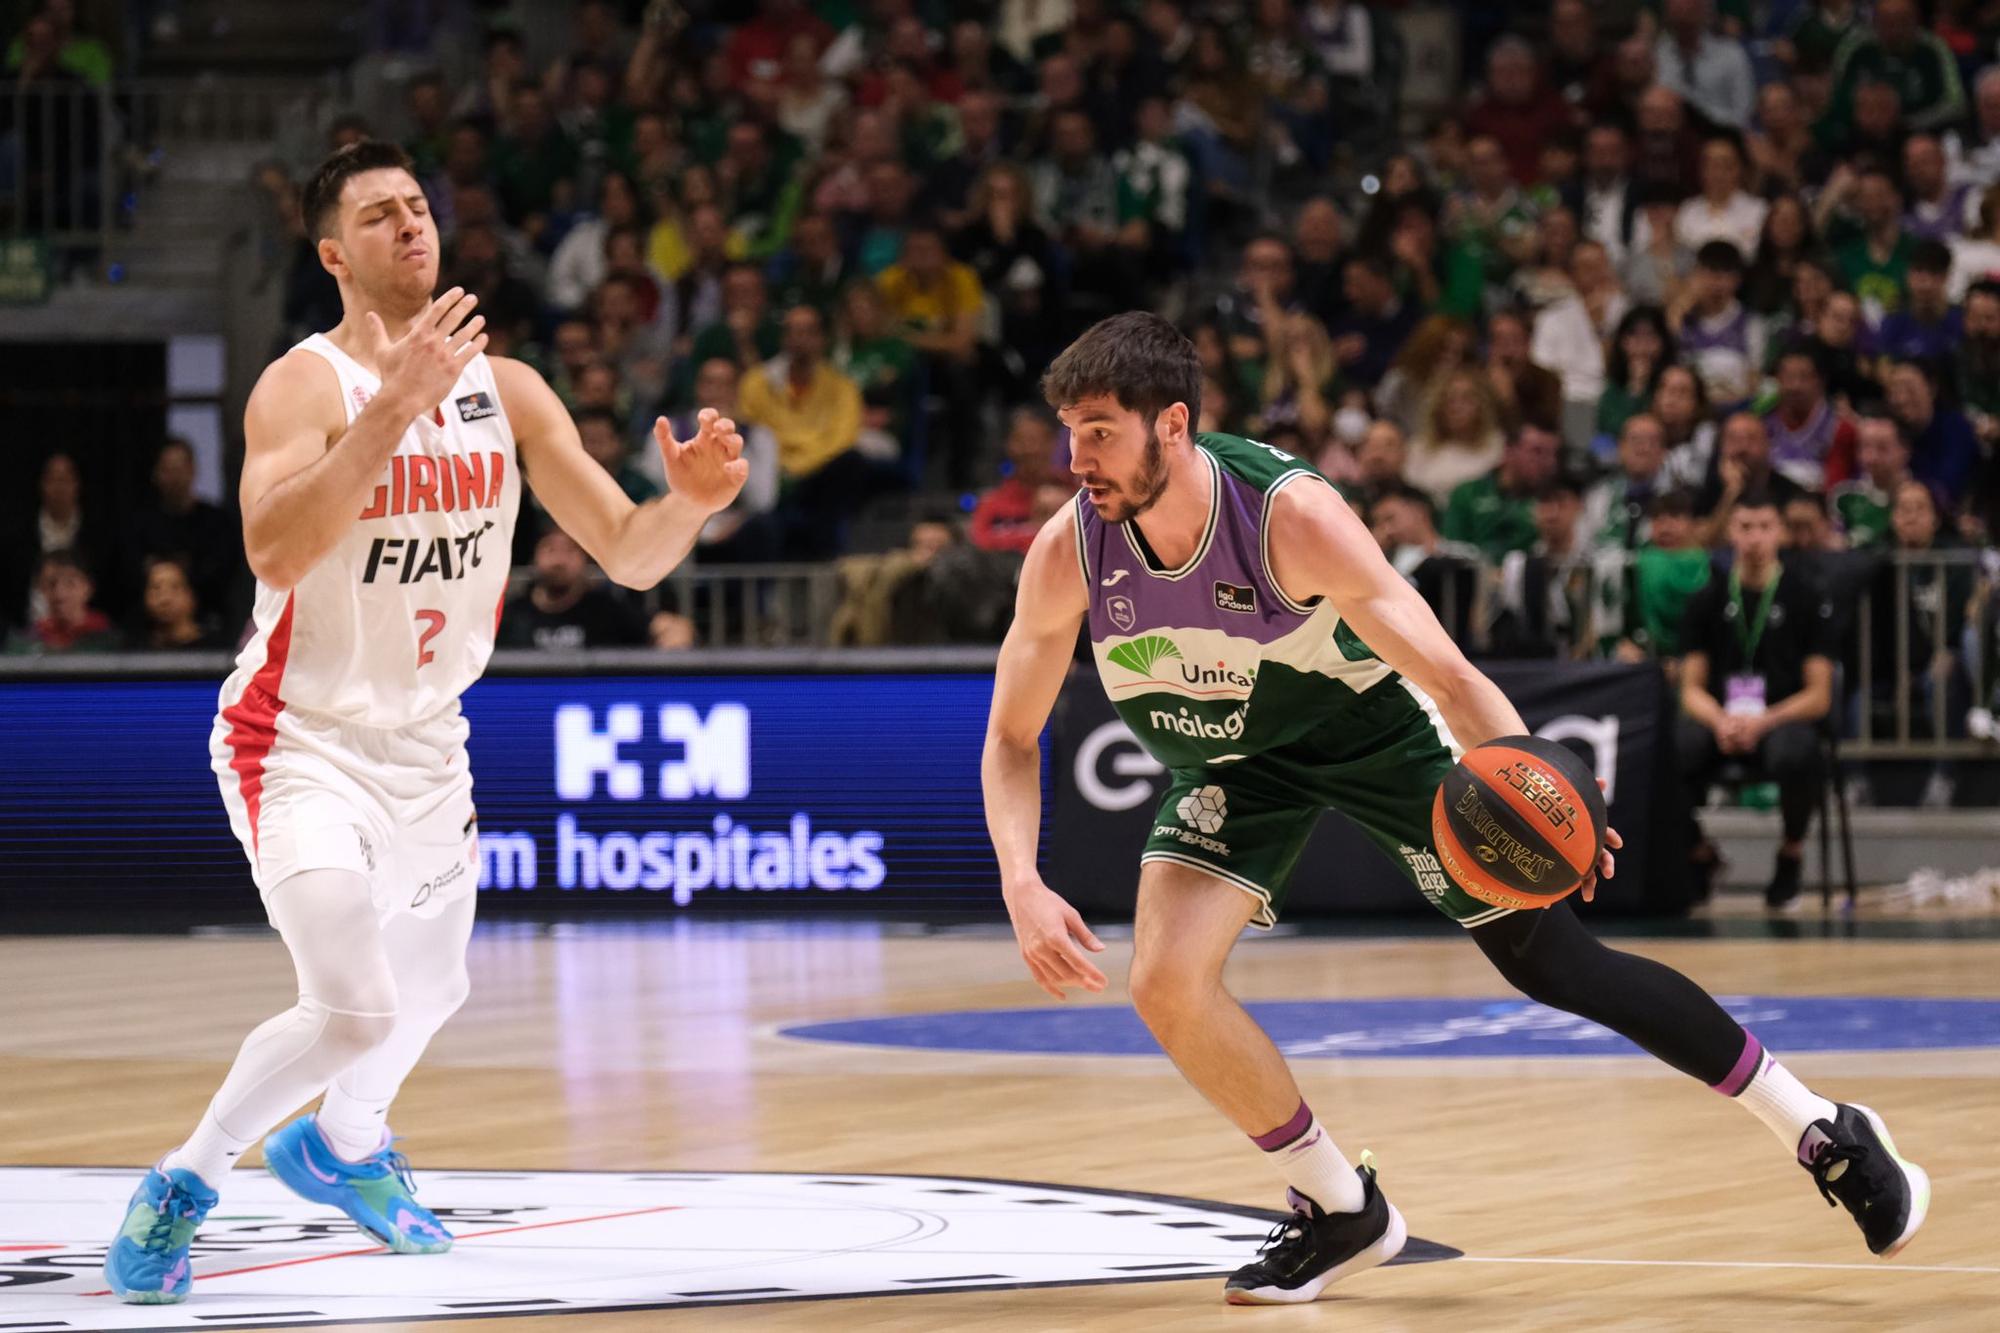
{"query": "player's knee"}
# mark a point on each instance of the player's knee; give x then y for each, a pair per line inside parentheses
(350, 1035)
(1166, 995)
(443, 999)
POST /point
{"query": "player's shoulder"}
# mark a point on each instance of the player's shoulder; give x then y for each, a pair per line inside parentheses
(299, 386)
(1261, 465)
(524, 395)
(1055, 559)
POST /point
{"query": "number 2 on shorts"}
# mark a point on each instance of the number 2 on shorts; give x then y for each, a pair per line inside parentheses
(434, 621)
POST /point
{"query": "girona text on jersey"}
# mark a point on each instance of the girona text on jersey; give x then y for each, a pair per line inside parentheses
(421, 483)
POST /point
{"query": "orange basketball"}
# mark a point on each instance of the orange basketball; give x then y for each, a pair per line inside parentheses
(1519, 822)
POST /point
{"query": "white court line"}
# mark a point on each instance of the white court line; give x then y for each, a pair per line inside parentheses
(1885, 1267)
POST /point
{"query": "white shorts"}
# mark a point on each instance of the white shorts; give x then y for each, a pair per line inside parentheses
(308, 792)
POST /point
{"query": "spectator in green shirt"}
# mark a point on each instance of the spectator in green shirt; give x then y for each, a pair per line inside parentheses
(535, 163)
(1496, 512)
(429, 108)
(76, 53)
(1665, 573)
(1817, 33)
(1863, 503)
(1900, 52)
(1976, 364)
(1874, 260)
(748, 333)
(602, 439)
(877, 358)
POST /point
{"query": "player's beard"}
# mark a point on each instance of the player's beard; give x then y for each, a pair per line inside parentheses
(397, 293)
(1147, 487)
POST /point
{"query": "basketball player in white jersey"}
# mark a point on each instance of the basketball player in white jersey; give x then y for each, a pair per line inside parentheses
(382, 470)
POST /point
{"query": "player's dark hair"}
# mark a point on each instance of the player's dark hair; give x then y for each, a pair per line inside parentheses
(320, 201)
(1137, 358)
(1984, 287)
(1756, 499)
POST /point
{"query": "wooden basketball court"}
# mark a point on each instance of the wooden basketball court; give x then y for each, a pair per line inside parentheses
(1584, 1192)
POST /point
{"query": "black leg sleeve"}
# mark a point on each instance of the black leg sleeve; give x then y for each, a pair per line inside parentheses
(1548, 956)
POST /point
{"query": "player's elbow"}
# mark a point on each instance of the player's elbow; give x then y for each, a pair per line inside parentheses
(273, 566)
(1454, 685)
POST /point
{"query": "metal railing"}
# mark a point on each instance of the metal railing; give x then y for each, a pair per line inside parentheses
(778, 605)
(1918, 634)
(74, 161)
(755, 606)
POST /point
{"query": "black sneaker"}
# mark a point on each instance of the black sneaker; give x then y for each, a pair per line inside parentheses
(1311, 1249)
(1853, 1161)
(1783, 890)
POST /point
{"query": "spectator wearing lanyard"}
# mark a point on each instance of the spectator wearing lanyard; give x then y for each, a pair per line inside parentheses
(1756, 679)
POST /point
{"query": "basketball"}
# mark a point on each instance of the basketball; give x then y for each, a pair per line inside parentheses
(1519, 822)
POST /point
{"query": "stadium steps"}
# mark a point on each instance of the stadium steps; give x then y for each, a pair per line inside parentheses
(257, 37)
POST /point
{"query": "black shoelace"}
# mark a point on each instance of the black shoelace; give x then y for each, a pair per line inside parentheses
(1290, 1231)
(1823, 1165)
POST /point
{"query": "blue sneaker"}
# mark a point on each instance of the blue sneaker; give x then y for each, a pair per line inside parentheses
(376, 1193)
(148, 1261)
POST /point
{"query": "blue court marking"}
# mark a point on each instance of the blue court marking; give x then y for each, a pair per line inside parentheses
(1433, 1027)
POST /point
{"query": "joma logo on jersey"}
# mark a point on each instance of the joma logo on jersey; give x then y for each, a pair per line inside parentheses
(715, 752)
(419, 483)
(476, 407)
(411, 559)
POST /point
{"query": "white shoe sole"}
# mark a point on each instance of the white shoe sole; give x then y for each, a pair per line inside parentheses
(1381, 1252)
(1917, 1178)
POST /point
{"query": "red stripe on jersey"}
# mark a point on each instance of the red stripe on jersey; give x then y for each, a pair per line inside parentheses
(253, 718)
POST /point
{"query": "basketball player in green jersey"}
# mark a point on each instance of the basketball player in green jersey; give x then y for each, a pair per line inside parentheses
(1332, 686)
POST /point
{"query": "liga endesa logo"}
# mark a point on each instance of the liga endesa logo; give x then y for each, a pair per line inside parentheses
(708, 759)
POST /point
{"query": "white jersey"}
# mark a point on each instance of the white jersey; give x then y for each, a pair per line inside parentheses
(393, 623)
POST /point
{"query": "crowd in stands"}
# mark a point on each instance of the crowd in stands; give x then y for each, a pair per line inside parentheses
(1636, 283)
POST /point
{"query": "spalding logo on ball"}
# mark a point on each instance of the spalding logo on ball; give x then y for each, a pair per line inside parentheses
(1519, 822)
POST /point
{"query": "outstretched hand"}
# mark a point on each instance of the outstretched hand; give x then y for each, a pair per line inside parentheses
(421, 367)
(1055, 944)
(706, 470)
(1607, 866)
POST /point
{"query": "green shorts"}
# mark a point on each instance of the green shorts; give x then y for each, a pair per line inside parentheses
(1247, 822)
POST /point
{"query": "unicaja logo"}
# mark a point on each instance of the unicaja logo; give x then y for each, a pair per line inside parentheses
(1139, 655)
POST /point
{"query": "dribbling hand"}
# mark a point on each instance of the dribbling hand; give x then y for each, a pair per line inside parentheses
(1607, 865)
(1053, 939)
(420, 368)
(706, 470)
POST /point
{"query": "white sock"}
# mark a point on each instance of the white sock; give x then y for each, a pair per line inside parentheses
(209, 1153)
(1785, 1105)
(351, 1141)
(1311, 1163)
